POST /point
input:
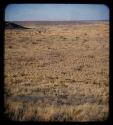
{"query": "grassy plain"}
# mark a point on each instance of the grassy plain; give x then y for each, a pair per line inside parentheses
(57, 73)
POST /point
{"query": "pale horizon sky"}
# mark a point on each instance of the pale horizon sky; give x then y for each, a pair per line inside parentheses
(56, 12)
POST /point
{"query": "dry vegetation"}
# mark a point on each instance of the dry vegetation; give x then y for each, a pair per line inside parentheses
(57, 73)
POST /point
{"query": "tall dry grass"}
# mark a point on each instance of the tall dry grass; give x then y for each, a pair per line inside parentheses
(58, 74)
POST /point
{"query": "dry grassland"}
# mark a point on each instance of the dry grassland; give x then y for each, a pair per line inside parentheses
(57, 73)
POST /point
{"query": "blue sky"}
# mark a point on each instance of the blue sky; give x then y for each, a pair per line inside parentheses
(56, 12)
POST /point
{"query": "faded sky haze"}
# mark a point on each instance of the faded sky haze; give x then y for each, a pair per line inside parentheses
(56, 12)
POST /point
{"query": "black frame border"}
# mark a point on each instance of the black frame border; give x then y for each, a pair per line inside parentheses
(4, 4)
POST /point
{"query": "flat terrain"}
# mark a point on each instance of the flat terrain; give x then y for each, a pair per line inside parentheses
(57, 72)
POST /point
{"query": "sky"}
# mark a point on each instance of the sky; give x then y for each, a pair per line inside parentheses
(56, 12)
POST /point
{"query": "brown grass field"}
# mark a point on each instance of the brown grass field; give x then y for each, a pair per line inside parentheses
(57, 72)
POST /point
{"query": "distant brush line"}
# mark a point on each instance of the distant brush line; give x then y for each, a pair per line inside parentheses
(58, 22)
